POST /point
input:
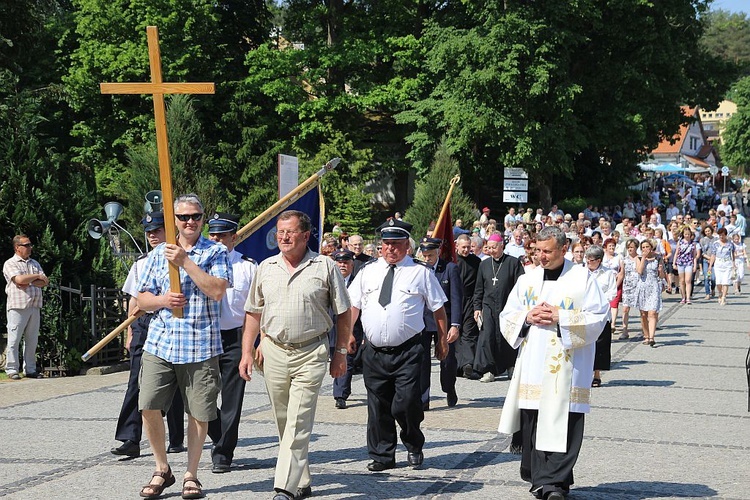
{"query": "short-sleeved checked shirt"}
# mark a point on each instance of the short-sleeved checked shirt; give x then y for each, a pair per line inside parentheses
(196, 336)
(21, 298)
(294, 307)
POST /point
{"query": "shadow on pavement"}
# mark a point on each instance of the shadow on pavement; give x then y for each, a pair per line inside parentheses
(644, 490)
(640, 383)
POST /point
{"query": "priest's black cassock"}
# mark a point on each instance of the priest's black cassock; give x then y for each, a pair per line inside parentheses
(466, 345)
(495, 280)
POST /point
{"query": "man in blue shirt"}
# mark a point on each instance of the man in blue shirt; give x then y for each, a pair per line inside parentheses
(182, 353)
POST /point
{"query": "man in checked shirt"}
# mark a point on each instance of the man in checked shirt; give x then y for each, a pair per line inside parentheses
(182, 353)
(24, 289)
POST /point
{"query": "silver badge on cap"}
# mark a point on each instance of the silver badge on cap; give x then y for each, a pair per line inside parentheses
(216, 216)
(390, 222)
(149, 218)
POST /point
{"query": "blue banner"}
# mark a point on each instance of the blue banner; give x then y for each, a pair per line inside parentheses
(262, 243)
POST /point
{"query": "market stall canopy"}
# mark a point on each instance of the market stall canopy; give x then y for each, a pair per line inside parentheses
(661, 168)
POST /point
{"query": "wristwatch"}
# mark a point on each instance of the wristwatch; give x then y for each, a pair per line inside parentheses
(342, 350)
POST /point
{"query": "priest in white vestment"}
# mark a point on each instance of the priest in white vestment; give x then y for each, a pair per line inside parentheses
(554, 315)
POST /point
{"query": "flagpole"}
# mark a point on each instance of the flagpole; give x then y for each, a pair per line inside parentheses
(438, 224)
(284, 202)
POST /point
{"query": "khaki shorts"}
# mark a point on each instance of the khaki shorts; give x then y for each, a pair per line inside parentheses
(198, 383)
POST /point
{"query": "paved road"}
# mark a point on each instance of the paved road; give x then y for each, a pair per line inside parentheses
(669, 422)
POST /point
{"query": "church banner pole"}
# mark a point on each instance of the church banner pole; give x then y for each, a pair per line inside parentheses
(112, 335)
(440, 222)
(278, 207)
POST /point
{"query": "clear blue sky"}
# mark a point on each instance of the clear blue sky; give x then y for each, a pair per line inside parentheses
(732, 5)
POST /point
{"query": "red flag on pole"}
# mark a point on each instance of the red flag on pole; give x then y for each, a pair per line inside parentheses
(444, 231)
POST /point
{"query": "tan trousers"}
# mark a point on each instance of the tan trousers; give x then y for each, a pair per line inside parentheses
(293, 379)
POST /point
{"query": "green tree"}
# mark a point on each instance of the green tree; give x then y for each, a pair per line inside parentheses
(202, 40)
(727, 36)
(736, 148)
(566, 90)
(430, 193)
(190, 163)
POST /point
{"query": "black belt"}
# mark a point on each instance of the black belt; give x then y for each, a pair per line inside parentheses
(399, 348)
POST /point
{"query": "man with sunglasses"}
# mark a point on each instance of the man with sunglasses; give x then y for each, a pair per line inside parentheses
(25, 279)
(182, 353)
(130, 424)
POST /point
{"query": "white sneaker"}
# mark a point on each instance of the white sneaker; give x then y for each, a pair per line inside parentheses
(624, 335)
(487, 377)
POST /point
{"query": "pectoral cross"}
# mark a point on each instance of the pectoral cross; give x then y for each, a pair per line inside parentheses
(494, 281)
(158, 88)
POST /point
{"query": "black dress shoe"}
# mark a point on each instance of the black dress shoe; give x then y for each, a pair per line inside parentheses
(554, 495)
(175, 448)
(128, 448)
(376, 466)
(340, 403)
(219, 468)
(452, 398)
(468, 371)
(303, 493)
(33, 375)
(415, 459)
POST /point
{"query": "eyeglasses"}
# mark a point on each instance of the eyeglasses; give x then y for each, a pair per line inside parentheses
(27, 245)
(187, 217)
(282, 233)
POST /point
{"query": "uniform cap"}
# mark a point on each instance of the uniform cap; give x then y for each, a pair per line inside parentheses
(152, 221)
(223, 222)
(394, 229)
(430, 243)
(342, 255)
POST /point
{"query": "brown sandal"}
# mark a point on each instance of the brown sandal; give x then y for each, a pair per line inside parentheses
(158, 489)
(192, 491)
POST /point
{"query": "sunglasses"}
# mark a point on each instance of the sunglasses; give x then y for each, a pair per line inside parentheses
(187, 217)
(27, 245)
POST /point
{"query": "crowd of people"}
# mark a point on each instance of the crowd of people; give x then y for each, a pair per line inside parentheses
(534, 297)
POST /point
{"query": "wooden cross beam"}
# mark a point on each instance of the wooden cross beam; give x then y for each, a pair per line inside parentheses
(158, 88)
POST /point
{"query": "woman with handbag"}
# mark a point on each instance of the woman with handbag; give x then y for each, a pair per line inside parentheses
(650, 267)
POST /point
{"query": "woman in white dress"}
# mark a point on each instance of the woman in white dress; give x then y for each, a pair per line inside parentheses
(740, 260)
(722, 263)
(613, 262)
(650, 267)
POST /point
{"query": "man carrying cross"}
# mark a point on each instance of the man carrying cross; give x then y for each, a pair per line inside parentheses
(182, 352)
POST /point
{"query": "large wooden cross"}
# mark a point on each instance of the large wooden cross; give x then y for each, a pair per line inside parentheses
(158, 88)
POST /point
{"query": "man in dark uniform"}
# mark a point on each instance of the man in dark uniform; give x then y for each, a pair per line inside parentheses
(466, 345)
(495, 279)
(342, 386)
(450, 281)
(224, 429)
(392, 293)
(130, 424)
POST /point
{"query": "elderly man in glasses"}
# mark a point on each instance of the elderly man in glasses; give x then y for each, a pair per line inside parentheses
(182, 353)
(25, 279)
(288, 306)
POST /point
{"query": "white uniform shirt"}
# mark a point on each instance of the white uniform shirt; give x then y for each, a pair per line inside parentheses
(136, 271)
(415, 288)
(233, 303)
